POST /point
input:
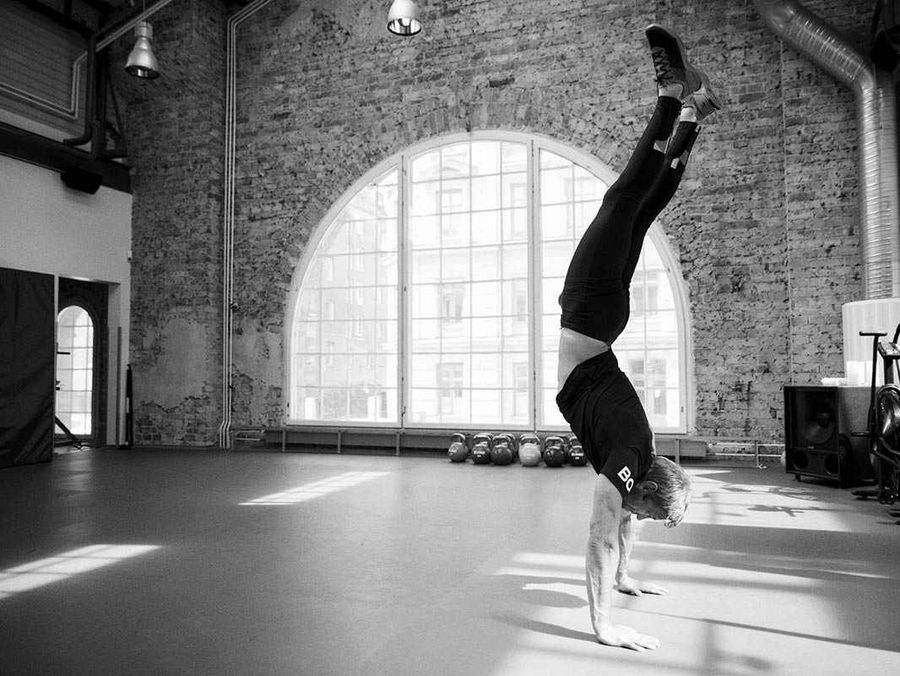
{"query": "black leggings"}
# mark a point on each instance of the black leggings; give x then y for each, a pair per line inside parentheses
(595, 297)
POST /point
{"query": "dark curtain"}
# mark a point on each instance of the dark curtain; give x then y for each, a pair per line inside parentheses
(27, 367)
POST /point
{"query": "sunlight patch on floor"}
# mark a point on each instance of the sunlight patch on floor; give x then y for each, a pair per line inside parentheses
(725, 503)
(56, 568)
(316, 489)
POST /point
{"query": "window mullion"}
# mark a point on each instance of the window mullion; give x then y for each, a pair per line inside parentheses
(403, 271)
(534, 292)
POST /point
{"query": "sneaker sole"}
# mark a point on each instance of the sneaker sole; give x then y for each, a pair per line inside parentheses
(711, 95)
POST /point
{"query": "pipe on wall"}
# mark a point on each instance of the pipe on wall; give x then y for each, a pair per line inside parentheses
(228, 217)
(876, 114)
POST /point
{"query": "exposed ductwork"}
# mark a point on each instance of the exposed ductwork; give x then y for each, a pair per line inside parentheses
(876, 112)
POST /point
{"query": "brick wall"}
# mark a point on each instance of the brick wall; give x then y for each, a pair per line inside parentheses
(174, 128)
(765, 224)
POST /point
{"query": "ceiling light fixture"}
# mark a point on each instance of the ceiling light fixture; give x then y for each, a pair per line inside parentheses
(141, 62)
(403, 18)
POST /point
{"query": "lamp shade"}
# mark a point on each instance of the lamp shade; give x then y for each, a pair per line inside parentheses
(141, 62)
(403, 18)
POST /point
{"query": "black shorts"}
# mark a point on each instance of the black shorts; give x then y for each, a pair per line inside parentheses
(602, 408)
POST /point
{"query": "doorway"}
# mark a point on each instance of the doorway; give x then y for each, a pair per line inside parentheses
(81, 362)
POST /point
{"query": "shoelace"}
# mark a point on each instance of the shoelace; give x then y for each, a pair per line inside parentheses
(661, 64)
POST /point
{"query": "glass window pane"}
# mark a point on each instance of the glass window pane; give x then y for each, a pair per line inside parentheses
(556, 222)
(486, 227)
(486, 334)
(455, 195)
(387, 234)
(556, 256)
(455, 160)
(514, 157)
(456, 337)
(455, 264)
(486, 406)
(423, 406)
(516, 336)
(423, 369)
(387, 268)
(515, 261)
(424, 330)
(426, 266)
(387, 201)
(486, 370)
(551, 288)
(486, 263)
(386, 299)
(455, 229)
(486, 192)
(363, 236)
(486, 299)
(515, 225)
(364, 268)
(425, 198)
(553, 186)
(425, 232)
(485, 158)
(552, 416)
(515, 190)
(80, 357)
(426, 300)
(426, 167)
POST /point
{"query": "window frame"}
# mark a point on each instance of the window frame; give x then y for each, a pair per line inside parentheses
(401, 162)
(90, 371)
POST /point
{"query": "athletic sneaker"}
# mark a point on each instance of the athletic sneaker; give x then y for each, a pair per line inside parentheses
(669, 60)
(705, 100)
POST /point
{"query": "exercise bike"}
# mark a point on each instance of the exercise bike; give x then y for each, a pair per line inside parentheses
(884, 420)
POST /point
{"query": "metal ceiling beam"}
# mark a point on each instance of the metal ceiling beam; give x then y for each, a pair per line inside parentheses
(35, 149)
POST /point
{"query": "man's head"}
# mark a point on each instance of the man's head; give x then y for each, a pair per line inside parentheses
(663, 494)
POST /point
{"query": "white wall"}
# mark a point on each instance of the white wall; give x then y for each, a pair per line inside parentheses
(46, 227)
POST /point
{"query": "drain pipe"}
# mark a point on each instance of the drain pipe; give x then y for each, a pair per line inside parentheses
(228, 217)
(876, 113)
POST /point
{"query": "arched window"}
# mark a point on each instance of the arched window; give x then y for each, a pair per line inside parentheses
(75, 369)
(428, 297)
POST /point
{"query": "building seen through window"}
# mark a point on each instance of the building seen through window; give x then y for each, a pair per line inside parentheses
(434, 303)
(75, 369)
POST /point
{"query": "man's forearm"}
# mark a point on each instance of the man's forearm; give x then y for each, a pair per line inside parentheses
(603, 551)
(627, 533)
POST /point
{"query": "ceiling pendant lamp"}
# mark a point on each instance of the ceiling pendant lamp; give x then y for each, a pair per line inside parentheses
(403, 18)
(141, 62)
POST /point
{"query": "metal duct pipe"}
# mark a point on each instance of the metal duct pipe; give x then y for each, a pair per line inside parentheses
(228, 217)
(876, 113)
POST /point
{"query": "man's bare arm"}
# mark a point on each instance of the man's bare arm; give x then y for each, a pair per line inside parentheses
(601, 564)
(626, 584)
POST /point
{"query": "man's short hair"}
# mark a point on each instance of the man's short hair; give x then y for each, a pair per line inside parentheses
(673, 493)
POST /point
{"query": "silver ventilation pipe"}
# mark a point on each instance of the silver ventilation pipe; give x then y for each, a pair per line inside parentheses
(876, 113)
(228, 217)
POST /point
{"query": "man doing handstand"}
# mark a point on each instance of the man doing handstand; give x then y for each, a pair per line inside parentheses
(595, 396)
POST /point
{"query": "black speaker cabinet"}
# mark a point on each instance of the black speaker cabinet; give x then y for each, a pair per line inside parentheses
(81, 180)
(823, 433)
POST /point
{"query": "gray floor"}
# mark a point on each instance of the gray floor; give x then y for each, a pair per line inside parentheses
(198, 562)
